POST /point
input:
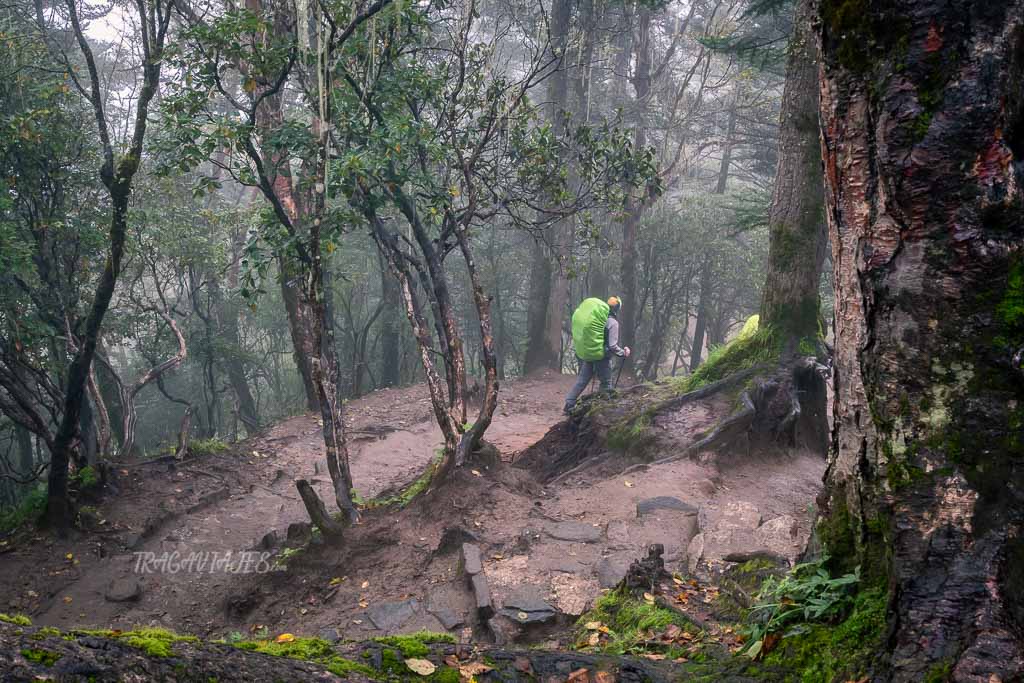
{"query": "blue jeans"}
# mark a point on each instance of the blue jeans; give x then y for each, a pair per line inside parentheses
(603, 369)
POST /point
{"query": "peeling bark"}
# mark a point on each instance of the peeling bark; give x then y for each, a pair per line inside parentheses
(922, 122)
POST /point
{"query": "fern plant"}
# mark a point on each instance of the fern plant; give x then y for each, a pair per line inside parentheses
(808, 593)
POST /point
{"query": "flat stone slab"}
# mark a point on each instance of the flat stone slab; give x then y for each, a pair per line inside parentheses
(471, 562)
(611, 569)
(649, 505)
(482, 595)
(389, 616)
(448, 618)
(527, 599)
(574, 531)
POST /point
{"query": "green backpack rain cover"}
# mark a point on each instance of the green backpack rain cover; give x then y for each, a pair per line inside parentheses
(588, 329)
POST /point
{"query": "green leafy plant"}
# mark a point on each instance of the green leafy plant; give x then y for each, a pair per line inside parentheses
(210, 446)
(808, 593)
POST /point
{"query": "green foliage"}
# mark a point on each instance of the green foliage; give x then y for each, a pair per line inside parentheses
(211, 446)
(28, 510)
(806, 594)
(17, 619)
(86, 478)
(40, 656)
(631, 623)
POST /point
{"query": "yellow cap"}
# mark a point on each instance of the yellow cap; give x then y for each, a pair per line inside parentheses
(614, 301)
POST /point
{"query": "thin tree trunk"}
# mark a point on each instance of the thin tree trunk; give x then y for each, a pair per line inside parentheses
(703, 304)
(539, 355)
(391, 339)
(923, 137)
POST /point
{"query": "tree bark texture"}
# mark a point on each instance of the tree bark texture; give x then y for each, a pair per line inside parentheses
(544, 351)
(796, 217)
(923, 140)
(635, 205)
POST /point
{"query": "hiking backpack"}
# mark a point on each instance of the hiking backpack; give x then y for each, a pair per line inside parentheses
(588, 323)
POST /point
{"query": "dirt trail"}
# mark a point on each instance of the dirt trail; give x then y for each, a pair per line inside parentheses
(546, 551)
(225, 503)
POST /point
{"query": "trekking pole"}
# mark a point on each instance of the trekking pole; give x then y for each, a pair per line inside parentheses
(617, 376)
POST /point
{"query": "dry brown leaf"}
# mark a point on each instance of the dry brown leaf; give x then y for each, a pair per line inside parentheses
(365, 584)
(594, 640)
(676, 580)
(67, 599)
(604, 677)
(579, 676)
(628, 484)
(648, 598)
(424, 667)
(593, 625)
(364, 604)
(452, 661)
(523, 665)
(473, 669)
(655, 657)
(476, 473)
(672, 631)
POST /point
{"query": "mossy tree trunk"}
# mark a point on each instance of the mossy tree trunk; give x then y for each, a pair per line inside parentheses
(796, 218)
(923, 138)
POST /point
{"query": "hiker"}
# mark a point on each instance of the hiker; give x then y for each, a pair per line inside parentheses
(595, 334)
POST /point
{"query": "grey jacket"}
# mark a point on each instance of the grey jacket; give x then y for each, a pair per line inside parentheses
(611, 337)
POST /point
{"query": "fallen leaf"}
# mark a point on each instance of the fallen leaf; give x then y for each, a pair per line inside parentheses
(336, 580)
(592, 625)
(285, 638)
(364, 604)
(67, 599)
(473, 669)
(33, 594)
(476, 473)
(672, 631)
(683, 598)
(497, 556)
(303, 611)
(69, 556)
(604, 677)
(594, 640)
(655, 657)
(452, 661)
(677, 581)
(648, 598)
(628, 484)
(424, 667)
(364, 584)
(357, 621)
(579, 676)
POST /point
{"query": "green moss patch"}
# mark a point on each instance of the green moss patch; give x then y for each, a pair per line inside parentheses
(742, 353)
(314, 650)
(41, 656)
(155, 642)
(16, 619)
(415, 644)
(625, 625)
(844, 651)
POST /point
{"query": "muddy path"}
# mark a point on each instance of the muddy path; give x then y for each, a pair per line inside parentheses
(221, 505)
(547, 550)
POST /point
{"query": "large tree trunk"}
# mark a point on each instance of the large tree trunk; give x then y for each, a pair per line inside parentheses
(923, 138)
(796, 221)
(539, 354)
